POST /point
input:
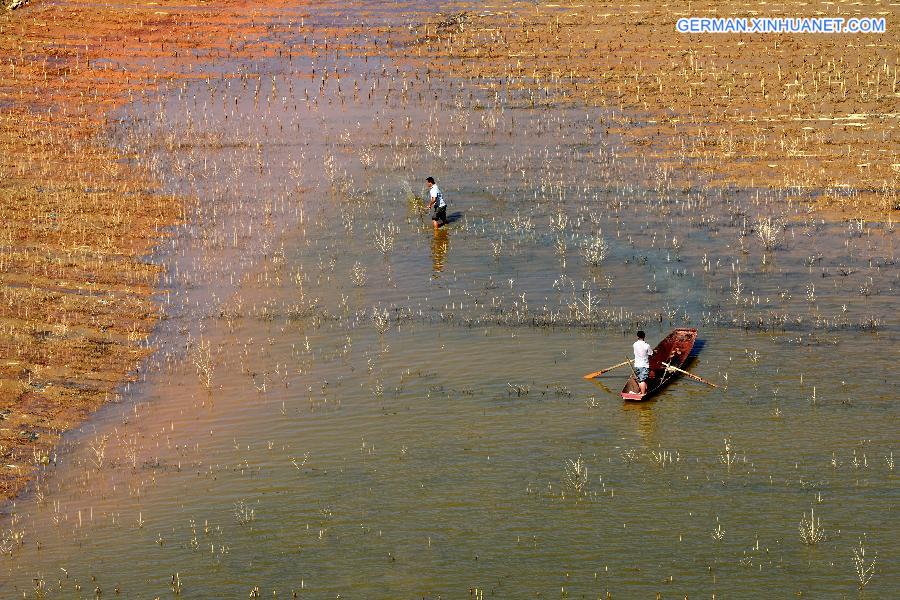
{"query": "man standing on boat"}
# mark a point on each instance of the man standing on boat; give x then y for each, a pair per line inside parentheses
(437, 204)
(642, 352)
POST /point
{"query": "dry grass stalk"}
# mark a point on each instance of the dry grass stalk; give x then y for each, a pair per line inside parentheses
(576, 475)
(595, 250)
(864, 571)
(811, 531)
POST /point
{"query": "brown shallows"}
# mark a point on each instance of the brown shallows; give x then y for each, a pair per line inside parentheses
(76, 220)
(811, 112)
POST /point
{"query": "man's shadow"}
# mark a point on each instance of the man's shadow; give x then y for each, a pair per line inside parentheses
(454, 217)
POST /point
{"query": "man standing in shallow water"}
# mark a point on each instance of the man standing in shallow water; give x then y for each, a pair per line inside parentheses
(437, 204)
(642, 352)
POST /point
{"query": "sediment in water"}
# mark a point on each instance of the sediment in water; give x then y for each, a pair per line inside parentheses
(78, 218)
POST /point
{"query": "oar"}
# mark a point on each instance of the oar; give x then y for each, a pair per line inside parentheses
(691, 375)
(602, 371)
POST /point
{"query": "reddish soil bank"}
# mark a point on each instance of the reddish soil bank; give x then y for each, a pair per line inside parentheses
(75, 219)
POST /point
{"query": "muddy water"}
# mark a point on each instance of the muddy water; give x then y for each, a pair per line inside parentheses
(333, 460)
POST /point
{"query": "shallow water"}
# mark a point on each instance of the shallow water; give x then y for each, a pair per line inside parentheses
(430, 461)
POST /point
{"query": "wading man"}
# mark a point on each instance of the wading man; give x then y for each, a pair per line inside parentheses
(437, 204)
(642, 352)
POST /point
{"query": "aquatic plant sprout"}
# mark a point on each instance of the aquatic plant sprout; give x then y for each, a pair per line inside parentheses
(203, 361)
(864, 570)
(98, 450)
(718, 534)
(358, 275)
(383, 237)
(585, 306)
(243, 513)
(595, 250)
(576, 475)
(664, 457)
(10, 539)
(381, 320)
(811, 531)
(728, 456)
(769, 231)
(497, 248)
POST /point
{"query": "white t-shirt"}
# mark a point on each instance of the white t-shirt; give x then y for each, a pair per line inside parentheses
(436, 194)
(642, 352)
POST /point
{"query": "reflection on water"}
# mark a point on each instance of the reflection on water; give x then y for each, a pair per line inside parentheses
(602, 386)
(440, 244)
(645, 422)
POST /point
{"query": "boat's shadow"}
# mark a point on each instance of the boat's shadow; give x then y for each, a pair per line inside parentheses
(694, 353)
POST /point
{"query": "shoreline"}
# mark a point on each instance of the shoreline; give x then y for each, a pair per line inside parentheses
(79, 217)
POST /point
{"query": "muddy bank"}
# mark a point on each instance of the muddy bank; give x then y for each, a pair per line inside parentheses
(813, 115)
(78, 218)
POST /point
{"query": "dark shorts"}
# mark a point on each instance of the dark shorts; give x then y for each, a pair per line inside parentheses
(440, 214)
(643, 373)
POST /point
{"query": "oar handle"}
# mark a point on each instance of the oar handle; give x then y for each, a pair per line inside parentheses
(691, 375)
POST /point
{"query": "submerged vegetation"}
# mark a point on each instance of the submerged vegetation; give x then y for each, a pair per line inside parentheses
(754, 111)
(344, 399)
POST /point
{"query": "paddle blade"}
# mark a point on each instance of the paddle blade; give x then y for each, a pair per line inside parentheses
(602, 371)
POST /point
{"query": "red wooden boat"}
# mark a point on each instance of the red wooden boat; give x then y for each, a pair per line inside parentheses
(674, 349)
